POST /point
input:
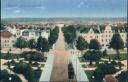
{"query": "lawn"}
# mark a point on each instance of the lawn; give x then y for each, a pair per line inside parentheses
(114, 56)
(10, 56)
(89, 74)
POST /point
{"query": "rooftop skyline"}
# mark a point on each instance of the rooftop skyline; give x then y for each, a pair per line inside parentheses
(63, 8)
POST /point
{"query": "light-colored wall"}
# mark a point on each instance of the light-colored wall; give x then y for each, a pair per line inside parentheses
(104, 38)
(7, 43)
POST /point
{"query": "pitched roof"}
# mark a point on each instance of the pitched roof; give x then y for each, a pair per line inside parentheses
(6, 34)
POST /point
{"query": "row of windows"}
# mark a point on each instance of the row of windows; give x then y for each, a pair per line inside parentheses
(6, 45)
(27, 34)
(104, 36)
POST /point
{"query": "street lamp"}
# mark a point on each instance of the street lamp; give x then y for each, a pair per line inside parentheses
(10, 78)
(93, 77)
(127, 46)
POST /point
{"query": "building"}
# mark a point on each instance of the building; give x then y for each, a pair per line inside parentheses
(32, 34)
(10, 34)
(103, 34)
(7, 40)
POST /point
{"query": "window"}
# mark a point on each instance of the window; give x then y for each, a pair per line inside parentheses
(102, 40)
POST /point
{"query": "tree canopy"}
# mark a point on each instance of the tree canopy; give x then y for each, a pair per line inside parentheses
(20, 43)
(69, 34)
(94, 44)
(4, 76)
(42, 44)
(102, 70)
(32, 43)
(116, 42)
(92, 56)
(123, 77)
(81, 44)
(53, 36)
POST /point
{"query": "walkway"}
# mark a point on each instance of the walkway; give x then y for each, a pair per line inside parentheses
(60, 67)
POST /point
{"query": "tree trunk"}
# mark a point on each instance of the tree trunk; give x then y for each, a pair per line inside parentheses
(118, 54)
(90, 63)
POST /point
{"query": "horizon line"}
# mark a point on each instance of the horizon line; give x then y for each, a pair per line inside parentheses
(61, 17)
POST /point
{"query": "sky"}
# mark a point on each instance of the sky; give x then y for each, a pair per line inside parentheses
(63, 8)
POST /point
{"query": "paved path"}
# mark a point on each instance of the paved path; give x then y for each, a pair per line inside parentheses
(60, 67)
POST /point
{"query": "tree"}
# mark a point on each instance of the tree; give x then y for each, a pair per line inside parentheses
(53, 36)
(105, 53)
(94, 44)
(33, 56)
(69, 34)
(42, 44)
(92, 56)
(4, 76)
(123, 77)
(32, 43)
(116, 43)
(20, 43)
(81, 44)
(102, 70)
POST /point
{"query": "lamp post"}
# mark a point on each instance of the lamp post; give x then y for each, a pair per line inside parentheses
(127, 48)
(10, 78)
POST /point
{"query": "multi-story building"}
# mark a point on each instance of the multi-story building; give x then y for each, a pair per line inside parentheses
(103, 34)
(7, 40)
(10, 34)
(34, 34)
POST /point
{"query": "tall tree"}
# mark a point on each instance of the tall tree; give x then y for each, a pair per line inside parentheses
(92, 56)
(20, 43)
(81, 44)
(102, 70)
(53, 36)
(123, 77)
(42, 44)
(94, 44)
(117, 43)
(32, 43)
(69, 34)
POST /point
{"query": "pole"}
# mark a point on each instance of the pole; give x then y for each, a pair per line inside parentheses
(127, 49)
(127, 35)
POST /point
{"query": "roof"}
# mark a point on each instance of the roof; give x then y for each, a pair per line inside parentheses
(110, 78)
(120, 29)
(6, 34)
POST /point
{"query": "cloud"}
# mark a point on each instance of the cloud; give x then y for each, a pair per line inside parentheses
(80, 4)
(41, 7)
(17, 11)
(9, 8)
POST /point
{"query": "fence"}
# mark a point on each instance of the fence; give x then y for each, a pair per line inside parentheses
(46, 74)
(79, 72)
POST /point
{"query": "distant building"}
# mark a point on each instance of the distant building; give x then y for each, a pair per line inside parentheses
(33, 34)
(103, 34)
(10, 34)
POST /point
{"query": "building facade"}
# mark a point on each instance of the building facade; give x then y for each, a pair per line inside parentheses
(7, 40)
(10, 35)
(104, 34)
